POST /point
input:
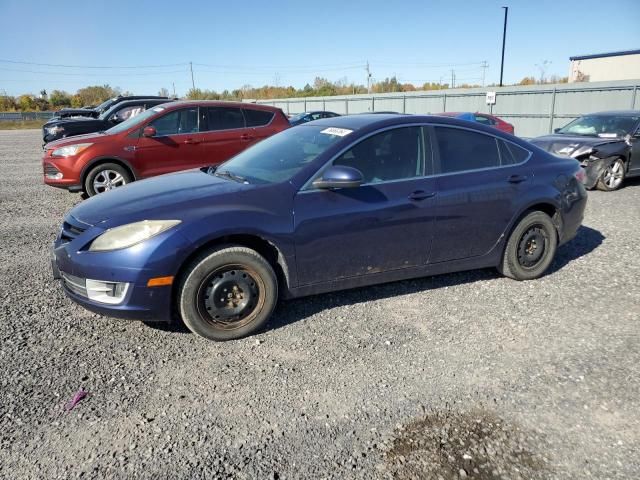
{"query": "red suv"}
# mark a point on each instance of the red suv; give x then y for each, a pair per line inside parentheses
(169, 137)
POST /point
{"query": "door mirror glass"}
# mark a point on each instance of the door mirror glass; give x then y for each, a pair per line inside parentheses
(339, 176)
(556, 130)
(149, 132)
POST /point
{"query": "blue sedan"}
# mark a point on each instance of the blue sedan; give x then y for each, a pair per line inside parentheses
(333, 204)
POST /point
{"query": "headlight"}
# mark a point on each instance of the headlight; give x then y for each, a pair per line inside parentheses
(54, 130)
(130, 234)
(70, 150)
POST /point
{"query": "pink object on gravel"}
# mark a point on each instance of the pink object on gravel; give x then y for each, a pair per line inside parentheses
(80, 394)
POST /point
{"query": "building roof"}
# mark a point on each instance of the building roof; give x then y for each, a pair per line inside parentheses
(603, 55)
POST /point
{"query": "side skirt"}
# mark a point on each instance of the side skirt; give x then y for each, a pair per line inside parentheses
(488, 260)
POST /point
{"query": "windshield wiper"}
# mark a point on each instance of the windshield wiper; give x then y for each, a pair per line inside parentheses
(231, 176)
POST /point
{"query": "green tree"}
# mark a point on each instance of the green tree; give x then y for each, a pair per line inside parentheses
(26, 103)
(59, 99)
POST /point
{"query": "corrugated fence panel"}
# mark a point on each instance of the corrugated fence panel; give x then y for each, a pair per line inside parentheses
(529, 103)
(393, 104)
(593, 101)
(359, 105)
(425, 105)
(337, 105)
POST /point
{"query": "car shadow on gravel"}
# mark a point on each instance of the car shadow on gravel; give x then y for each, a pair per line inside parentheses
(586, 240)
(291, 311)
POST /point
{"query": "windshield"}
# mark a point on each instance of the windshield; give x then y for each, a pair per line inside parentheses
(605, 126)
(104, 105)
(135, 120)
(297, 117)
(280, 157)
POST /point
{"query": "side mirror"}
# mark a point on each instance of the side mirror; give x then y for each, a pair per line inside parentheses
(149, 132)
(556, 130)
(339, 176)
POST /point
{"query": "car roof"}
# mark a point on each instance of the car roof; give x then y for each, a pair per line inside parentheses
(619, 113)
(375, 121)
(219, 103)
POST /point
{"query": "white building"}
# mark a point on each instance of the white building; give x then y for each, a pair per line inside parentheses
(605, 66)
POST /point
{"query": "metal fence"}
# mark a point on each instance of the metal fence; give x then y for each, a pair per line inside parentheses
(533, 109)
(22, 116)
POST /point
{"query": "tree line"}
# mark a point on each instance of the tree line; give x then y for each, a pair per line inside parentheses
(321, 87)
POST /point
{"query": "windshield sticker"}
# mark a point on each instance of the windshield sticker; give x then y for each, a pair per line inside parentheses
(339, 132)
(607, 135)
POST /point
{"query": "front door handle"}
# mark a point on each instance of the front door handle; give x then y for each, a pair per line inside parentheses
(421, 195)
(517, 178)
(246, 137)
(191, 141)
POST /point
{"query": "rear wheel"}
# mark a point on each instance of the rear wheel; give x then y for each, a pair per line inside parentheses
(613, 176)
(530, 248)
(227, 293)
(105, 177)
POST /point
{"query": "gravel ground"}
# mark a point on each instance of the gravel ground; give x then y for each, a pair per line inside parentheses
(463, 375)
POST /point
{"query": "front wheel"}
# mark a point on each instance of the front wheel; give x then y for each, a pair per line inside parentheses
(227, 293)
(530, 248)
(105, 177)
(613, 176)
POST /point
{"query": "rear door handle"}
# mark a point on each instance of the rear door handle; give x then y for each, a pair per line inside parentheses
(421, 195)
(246, 136)
(517, 178)
(191, 141)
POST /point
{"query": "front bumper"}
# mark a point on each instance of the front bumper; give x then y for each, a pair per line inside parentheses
(159, 256)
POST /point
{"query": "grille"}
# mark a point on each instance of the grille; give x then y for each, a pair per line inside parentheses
(74, 284)
(50, 169)
(71, 228)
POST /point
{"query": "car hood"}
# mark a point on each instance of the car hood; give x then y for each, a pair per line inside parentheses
(570, 145)
(74, 120)
(172, 196)
(96, 137)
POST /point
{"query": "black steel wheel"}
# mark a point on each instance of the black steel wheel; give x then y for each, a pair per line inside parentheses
(227, 293)
(531, 247)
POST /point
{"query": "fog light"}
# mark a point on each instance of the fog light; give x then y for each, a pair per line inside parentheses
(106, 292)
(54, 176)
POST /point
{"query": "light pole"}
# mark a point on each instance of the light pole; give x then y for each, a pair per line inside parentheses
(504, 37)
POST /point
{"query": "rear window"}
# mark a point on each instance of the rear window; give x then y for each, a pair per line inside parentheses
(224, 118)
(257, 118)
(462, 150)
(512, 154)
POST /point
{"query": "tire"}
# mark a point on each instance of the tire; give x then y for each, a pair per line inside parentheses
(111, 175)
(612, 177)
(523, 259)
(227, 293)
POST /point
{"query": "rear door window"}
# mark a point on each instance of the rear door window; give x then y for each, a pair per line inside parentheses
(177, 122)
(224, 118)
(462, 150)
(257, 118)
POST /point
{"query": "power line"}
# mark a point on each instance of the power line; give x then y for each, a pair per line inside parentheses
(75, 74)
(91, 66)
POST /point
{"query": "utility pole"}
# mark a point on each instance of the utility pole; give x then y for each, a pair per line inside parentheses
(504, 37)
(485, 65)
(453, 78)
(368, 77)
(174, 89)
(193, 83)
